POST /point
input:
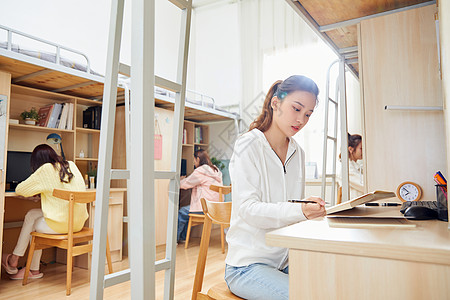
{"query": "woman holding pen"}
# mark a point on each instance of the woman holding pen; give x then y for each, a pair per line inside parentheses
(267, 169)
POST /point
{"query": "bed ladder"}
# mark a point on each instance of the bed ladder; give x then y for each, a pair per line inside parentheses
(140, 167)
(340, 104)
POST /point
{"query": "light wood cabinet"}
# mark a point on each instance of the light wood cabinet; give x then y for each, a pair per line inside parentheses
(399, 66)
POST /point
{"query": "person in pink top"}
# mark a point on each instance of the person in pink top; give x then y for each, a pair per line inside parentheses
(204, 175)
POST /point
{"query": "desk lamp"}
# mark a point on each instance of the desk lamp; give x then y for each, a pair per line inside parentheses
(54, 138)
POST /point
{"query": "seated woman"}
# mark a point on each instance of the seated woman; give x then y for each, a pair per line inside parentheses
(50, 171)
(204, 175)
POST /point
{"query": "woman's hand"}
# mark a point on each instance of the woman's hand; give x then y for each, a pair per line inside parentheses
(314, 210)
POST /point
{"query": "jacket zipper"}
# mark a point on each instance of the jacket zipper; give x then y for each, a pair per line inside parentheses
(287, 161)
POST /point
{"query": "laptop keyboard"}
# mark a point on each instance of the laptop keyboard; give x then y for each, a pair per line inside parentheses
(429, 204)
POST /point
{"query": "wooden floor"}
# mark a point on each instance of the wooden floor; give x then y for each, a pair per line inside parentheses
(52, 285)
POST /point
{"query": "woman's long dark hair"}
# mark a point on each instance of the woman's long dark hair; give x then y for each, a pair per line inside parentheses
(43, 154)
(204, 159)
(281, 89)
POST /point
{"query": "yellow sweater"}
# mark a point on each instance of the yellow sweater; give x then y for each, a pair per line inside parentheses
(56, 211)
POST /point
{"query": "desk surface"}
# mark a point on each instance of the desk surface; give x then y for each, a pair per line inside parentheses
(428, 242)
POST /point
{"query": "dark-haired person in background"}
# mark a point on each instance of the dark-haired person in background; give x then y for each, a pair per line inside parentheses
(204, 175)
(355, 169)
(267, 169)
(50, 171)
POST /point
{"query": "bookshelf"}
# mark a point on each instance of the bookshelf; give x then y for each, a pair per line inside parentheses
(195, 136)
(23, 137)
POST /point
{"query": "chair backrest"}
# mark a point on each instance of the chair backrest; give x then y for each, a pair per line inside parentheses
(78, 197)
(219, 212)
(73, 197)
(221, 189)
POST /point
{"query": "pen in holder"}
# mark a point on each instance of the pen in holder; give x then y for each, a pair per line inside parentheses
(442, 204)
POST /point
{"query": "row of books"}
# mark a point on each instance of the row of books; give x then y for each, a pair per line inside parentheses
(92, 117)
(198, 135)
(56, 115)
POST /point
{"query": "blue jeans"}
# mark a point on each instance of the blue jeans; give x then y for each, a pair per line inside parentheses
(258, 281)
(183, 220)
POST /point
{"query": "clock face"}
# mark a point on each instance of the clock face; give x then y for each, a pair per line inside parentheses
(409, 191)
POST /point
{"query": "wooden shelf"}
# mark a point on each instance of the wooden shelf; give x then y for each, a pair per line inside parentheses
(88, 130)
(86, 159)
(188, 145)
(196, 144)
(38, 128)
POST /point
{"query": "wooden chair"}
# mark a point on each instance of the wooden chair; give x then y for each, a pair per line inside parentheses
(196, 219)
(67, 241)
(218, 213)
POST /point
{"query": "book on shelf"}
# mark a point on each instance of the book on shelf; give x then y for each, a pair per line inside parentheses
(92, 117)
(44, 115)
(70, 117)
(366, 198)
(198, 135)
(63, 119)
(56, 112)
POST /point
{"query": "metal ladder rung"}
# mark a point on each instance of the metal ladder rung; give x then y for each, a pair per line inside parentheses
(167, 84)
(116, 278)
(330, 175)
(125, 174)
(331, 138)
(165, 174)
(181, 3)
(120, 174)
(124, 275)
(125, 69)
(332, 101)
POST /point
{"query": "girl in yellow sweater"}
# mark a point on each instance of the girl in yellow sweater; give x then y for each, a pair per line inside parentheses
(50, 171)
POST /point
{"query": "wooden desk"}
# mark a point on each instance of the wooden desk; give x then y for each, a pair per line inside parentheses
(347, 263)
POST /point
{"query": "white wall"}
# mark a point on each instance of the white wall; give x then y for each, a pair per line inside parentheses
(217, 53)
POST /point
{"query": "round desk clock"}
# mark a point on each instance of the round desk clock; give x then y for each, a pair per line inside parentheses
(409, 191)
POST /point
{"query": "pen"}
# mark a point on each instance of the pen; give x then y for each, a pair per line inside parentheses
(304, 201)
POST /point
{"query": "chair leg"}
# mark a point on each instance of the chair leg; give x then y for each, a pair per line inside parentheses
(29, 259)
(108, 256)
(69, 271)
(188, 234)
(222, 238)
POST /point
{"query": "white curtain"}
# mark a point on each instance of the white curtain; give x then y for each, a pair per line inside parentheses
(267, 27)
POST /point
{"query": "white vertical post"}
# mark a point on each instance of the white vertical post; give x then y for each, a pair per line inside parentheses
(142, 205)
(344, 131)
(105, 148)
(169, 281)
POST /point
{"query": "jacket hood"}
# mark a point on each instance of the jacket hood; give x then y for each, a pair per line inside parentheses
(208, 171)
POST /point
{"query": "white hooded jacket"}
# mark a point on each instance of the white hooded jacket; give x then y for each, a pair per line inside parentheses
(261, 186)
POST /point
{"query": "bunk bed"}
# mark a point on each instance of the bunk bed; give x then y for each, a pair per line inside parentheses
(52, 72)
(336, 21)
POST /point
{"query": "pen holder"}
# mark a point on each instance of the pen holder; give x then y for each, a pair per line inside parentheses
(442, 204)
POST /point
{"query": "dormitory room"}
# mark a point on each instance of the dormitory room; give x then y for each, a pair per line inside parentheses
(224, 149)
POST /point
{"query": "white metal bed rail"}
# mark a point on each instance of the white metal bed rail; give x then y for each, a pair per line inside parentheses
(58, 47)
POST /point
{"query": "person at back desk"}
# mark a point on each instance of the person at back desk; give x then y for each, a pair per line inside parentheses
(50, 171)
(204, 175)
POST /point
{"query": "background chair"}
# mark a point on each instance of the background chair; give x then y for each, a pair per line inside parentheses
(219, 213)
(196, 219)
(67, 241)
